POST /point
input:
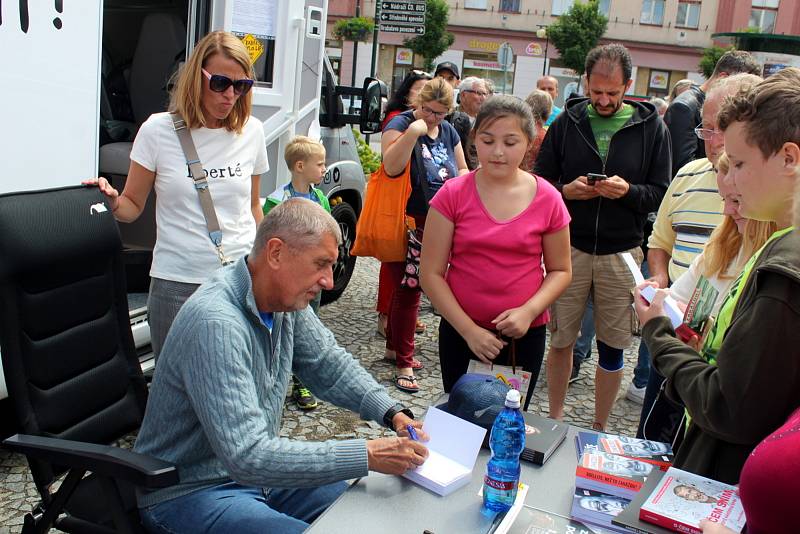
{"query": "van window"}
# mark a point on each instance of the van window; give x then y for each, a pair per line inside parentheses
(262, 48)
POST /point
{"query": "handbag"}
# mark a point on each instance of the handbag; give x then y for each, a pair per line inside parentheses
(413, 251)
(381, 228)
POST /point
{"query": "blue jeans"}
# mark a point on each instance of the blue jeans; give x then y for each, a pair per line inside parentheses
(582, 350)
(231, 507)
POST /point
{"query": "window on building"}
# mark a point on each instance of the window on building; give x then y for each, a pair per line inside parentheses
(475, 4)
(605, 7)
(652, 12)
(763, 14)
(509, 6)
(561, 6)
(688, 14)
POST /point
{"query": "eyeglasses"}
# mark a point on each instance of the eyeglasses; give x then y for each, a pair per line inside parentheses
(219, 83)
(706, 134)
(479, 93)
(437, 114)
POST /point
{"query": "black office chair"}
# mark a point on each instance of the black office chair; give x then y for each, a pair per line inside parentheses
(69, 361)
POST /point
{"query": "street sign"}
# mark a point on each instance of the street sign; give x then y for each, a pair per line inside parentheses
(399, 28)
(505, 55)
(403, 17)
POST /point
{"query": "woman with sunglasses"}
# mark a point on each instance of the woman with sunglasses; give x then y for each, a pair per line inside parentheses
(419, 137)
(212, 95)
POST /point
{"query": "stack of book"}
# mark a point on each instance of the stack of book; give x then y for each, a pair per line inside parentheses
(651, 452)
(611, 471)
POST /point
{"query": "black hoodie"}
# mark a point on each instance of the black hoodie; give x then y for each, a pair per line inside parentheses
(639, 153)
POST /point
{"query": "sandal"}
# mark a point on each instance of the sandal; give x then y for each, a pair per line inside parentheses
(407, 378)
(415, 363)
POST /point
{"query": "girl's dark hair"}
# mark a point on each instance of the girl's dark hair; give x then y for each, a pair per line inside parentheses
(500, 106)
(399, 100)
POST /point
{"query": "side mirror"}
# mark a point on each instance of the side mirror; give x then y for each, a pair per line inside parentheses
(374, 94)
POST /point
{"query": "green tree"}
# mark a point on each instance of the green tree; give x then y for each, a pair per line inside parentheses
(576, 32)
(436, 39)
(709, 59)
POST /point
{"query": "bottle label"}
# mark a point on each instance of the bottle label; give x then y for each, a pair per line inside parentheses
(499, 484)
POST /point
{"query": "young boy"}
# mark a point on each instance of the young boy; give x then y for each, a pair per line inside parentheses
(746, 380)
(306, 161)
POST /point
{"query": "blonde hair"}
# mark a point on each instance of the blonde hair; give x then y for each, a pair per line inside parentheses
(188, 93)
(301, 148)
(726, 242)
(436, 90)
(541, 104)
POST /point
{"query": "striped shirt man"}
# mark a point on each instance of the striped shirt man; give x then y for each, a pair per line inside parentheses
(691, 209)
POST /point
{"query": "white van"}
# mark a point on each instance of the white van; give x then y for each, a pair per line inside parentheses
(78, 78)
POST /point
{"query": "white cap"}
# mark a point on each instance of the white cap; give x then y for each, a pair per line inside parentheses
(512, 398)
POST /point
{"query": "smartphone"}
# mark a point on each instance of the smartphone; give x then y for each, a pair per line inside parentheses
(591, 178)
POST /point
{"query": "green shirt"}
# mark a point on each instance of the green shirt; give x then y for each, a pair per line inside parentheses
(604, 128)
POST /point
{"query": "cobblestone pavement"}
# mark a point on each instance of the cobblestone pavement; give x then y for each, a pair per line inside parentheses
(352, 318)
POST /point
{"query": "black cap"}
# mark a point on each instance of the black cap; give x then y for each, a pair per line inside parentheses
(447, 65)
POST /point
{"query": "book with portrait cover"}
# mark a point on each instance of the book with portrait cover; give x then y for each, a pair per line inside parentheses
(652, 452)
(682, 499)
(611, 474)
(597, 508)
(534, 521)
(542, 437)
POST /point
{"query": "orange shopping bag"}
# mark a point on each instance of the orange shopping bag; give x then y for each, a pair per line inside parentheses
(381, 231)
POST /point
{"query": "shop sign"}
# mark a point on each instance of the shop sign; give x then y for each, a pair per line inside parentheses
(533, 49)
(659, 79)
(403, 56)
(481, 64)
(489, 46)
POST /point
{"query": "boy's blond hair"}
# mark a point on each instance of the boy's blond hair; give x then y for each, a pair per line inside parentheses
(301, 148)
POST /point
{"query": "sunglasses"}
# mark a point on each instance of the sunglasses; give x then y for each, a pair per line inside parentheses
(219, 83)
(422, 73)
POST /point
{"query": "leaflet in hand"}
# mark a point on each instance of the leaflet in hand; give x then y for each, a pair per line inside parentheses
(671, 307)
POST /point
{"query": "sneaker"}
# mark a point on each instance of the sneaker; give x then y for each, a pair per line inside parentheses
(576, 371)
(303, 397)
(635, 394)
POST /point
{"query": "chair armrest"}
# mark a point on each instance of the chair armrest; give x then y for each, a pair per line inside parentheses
(105, 460)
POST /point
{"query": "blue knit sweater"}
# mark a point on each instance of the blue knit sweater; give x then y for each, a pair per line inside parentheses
(217, 397)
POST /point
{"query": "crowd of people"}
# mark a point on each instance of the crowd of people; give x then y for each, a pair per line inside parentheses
(524, 210)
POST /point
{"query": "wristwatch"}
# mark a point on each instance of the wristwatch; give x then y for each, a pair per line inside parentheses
(394, 410)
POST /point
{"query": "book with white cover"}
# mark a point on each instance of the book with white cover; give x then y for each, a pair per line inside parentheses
(452, 450)
(682, 499)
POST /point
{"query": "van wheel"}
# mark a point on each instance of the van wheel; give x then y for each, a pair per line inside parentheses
(345, 215)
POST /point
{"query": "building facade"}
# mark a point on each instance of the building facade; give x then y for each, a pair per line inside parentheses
(665, 37)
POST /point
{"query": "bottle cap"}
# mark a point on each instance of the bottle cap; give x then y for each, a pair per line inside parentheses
(512, 398)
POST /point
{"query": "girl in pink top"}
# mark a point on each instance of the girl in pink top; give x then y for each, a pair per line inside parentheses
(496, 250)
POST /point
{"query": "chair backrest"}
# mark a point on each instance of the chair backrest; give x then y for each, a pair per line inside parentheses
(68, 355)
(161, 39)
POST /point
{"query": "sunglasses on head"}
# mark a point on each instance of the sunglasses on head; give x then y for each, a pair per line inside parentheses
(219, 83)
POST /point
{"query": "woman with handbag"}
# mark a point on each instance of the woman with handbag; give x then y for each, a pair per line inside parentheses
(496, 254)
(402, 100)
(212, 97)
(421, 139)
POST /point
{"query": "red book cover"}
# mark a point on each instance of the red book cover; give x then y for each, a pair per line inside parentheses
(613, 470)
(682, 499)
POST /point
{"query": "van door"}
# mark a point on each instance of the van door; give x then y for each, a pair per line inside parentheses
(285, 42)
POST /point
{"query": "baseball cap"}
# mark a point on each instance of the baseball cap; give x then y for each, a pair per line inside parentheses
(477, 398)
(447, 65)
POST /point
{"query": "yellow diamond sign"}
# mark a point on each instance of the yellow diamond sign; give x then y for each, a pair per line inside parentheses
(254, 47)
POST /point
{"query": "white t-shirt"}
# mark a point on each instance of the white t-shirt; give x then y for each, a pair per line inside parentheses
(682, 289)
(184, 251)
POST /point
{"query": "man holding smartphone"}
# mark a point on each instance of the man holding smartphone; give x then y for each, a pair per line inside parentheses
(611, 160)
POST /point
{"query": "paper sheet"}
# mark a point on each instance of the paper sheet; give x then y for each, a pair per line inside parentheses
(671, 307)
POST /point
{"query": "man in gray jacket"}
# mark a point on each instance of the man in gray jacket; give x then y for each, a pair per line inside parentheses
(217, 397)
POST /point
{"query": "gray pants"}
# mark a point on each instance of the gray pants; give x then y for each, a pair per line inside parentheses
(165, 299)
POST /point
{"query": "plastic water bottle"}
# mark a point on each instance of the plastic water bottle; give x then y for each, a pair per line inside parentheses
(507, 441)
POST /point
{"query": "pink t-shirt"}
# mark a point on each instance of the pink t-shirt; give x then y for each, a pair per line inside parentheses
(497, 265)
